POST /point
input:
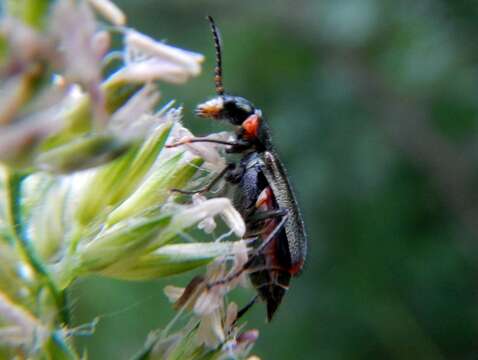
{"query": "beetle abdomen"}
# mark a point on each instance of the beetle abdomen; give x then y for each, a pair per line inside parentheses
(270, 268)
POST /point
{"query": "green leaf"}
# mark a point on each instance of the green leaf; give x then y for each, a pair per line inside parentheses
(82, 153)
(100, 188)
(170, 260)
(143, 161)
(119, 242)
(172, 173)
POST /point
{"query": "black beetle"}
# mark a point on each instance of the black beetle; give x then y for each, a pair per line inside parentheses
(263, 194)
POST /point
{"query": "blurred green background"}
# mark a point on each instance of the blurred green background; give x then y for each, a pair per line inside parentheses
(373, 106)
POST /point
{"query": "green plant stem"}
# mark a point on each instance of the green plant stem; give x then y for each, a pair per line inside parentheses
(60, 348)
(13, 189)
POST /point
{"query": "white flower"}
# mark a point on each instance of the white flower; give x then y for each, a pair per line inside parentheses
(210, 152)
(110, 11)
(208, 224)
(134, 119)
(21, 137)
(26, 44)
(140, 45)
(73, 24)
(20, 327)
(211, 332)
(241, 344)
(210, 208)
(148, 60)
(212, 299)
(205, 296)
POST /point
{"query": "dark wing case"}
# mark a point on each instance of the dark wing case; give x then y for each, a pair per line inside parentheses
(277, 178)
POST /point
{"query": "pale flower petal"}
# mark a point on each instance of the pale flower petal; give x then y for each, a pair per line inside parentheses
(141, 104)
(210, 208)
(20, 138)
(26, 327)
(234, 220)
(25, 42)
(198, 212)
(173, 293)
(186, 60)
(100, 43)
(73, 24)
(110, 11)
(151, 70)
(210, 331)
(210, 300)
(241, 256)
(231, 316)
(208, 224)
(213, 158)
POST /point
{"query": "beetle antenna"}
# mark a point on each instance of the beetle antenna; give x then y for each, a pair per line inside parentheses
(218, 68)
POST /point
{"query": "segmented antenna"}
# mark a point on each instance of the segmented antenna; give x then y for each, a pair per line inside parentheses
(218, 68)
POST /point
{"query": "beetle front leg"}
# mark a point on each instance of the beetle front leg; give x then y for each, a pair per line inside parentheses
(234, 146)
(189, 140)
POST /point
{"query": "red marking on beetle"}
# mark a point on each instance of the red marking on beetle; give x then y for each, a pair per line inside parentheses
(265, 199)
(251, 126)
(296, 268)
(265, 202)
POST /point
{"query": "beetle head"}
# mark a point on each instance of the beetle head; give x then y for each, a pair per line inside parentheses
(234, 109)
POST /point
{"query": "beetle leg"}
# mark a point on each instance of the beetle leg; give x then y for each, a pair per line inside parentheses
(274, 232)
(256, 251)
(230, 277)
(235, 174)
(264, 215)
(235, 146)
(202, 139)
(246, 266)
(272, 282)
(209, 186)
(246, 308)
(261, 216)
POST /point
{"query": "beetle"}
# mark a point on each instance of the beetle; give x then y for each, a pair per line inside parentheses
(263, 194)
